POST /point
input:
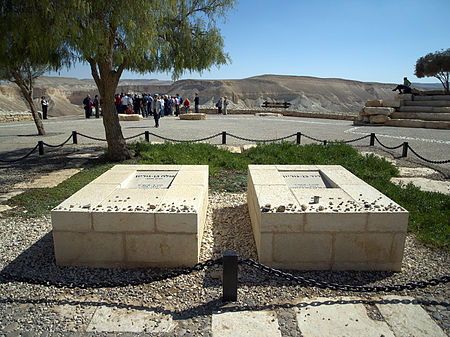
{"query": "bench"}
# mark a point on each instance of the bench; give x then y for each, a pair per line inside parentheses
(276, 105)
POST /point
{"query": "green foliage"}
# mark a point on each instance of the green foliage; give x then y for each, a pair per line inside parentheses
(435, 64)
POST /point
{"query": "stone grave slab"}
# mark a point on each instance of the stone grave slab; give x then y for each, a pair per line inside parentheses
(322, 217)
(134, 216)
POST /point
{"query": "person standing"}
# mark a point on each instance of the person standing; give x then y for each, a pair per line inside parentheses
(196, 102)
(44, 104)
(124, 103)
(97, 106)
(186, 105)
(225, 104)
(157, 111)
(87, 102)
(177, 105)
(219, 105)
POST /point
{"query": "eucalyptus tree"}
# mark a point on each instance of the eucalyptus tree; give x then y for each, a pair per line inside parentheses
(29, 46)
(437, 65)
(143, 36)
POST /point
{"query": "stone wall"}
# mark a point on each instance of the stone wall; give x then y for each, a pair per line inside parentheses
(12, 116)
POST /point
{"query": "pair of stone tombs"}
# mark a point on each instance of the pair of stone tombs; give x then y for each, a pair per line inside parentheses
(305, 217)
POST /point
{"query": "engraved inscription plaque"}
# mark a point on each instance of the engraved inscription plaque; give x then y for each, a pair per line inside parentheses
(304, 179)
(152, 179)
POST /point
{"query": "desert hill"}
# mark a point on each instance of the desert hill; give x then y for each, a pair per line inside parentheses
(306, 94)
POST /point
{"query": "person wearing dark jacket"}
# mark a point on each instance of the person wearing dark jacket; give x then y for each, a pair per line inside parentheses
(87, 103)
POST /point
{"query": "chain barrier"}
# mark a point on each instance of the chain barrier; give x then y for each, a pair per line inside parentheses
(427, 160)
(185, 141)
(21, 158)
(356, 139)
(262, 140)
(345, 287)
(6, 277)
(93, 138)
(388, 147)
(62, 144)
(138, 135)
(312, 138)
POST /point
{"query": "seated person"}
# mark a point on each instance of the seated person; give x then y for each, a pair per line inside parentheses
(405, 87)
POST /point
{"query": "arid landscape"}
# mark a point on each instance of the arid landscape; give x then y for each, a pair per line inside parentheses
(306, 94)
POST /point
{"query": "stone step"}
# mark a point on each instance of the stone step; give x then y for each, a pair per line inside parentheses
(427, 116)
(418, 123)
(424, 109)
(432, 98)
(428, 103)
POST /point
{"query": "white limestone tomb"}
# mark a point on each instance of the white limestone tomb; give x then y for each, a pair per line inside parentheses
(134, 216)
(322, 217)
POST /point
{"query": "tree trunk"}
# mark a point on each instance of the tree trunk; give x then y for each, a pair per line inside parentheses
(117, 147)
(37, 120)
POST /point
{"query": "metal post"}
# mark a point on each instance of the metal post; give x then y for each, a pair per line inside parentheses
(325, 142)
(230, 276)
(224, 137)
(405, 149)
(74, 137)
(372, 139)
(299, 137)
(41, 147)
(147, 136)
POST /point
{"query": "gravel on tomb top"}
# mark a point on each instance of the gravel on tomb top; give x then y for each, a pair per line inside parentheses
(26, 249)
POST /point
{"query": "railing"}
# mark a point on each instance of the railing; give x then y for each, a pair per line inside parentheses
(229, 262)
(298, 137)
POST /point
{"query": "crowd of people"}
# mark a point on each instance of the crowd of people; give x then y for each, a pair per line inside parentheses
(150, 105)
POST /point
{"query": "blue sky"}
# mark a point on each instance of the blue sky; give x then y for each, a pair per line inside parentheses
(365, 40)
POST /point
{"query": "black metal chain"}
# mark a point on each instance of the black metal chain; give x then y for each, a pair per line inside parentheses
(184, 141)
(93, 138)
(356, 139)
(6, 277)
(427, 160)
(140, 134)
(261, 140)
(62, 144)
(312, 138)
(388, 147)
(345, 287)
(21, 158)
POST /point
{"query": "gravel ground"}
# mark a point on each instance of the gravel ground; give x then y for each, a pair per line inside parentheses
(26, 249)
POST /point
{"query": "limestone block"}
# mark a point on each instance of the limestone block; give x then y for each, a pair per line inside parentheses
(364, 247)
(339, 177)
(405, 97)
(269, 176)
(123, 221)
(265, 254)
(86, 198)
(275, 196)
(186, 177)
(115, 177)
(374, 103)
(311, 247)
(378, 111)
(129, 117)
(378, 119)
(335, 222)
(93, 249)
(297, 167)
(176, 222)
(161, 249)
(391, 103)
(282, 222)
(388, 222)
(77, 221)
(366, 119)
(193, 116)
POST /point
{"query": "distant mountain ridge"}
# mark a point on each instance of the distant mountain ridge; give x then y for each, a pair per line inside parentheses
(306, 94)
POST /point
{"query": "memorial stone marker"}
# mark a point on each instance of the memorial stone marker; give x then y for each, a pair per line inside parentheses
(134, 215)
(323, 217)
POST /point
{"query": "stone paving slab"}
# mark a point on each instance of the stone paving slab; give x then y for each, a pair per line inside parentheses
(245, 323)
(408, 319)
(49, 180)
(427, 185)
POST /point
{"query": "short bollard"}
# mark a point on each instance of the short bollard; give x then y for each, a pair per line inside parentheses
(41, 147)
(74, 137)
(230, 276)
(299, 137)
(325, 142)
(224, 137)
(147, 136)
(405, 149)
(372, 139)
